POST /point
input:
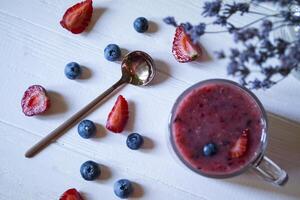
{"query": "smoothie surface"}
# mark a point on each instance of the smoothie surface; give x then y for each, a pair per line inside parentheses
(216, 112)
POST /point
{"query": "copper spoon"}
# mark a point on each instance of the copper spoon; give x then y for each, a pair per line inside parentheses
(137, 69)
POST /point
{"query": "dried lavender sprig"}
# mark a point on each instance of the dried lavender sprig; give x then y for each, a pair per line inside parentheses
(257, 47)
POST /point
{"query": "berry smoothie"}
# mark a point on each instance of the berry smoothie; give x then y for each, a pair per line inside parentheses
(217, 128)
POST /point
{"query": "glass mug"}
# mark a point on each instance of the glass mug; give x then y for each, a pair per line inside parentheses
(192, 125)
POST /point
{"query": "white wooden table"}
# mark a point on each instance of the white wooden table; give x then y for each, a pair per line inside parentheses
(34, 49)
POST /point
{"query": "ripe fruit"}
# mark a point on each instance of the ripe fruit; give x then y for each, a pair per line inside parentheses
(86, 129)
(90, 170)
(35, 100)
(134, 141)
(71, 194)
(118, 116)
(240, 146)
(183, 48)
(72, 70)
(140, 24)
(112, 52)
(77, 17)
(123, 188)
(209, 149)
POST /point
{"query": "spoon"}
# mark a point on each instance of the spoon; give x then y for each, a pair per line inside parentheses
(137, 69)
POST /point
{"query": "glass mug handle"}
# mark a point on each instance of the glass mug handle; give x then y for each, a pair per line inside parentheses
(270, 171)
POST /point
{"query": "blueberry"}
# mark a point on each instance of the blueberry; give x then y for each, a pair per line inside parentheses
(134, 141)
(72, 70)
(123, 188)
(209, 149)
(112, 52)
(86, 129)
(90, 170)
(140, 24)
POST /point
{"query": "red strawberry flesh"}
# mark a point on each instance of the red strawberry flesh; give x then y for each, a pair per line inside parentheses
(183, 48)
(77, 17)
(71, 194)
(35, 100)
(118, 116)
(240, 146)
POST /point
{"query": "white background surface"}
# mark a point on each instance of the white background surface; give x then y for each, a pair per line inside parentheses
(34, 49)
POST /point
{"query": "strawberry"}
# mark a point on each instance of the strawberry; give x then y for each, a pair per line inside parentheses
(240, 146)
(118, 116)
(183, 48)
(35, 100)
(71, 194)
(77, 17)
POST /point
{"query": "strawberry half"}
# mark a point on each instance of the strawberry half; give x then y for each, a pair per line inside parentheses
(240, 146)
(118, 116)
(77, 17)
(71, 194)
(35, 100)
(183, 48)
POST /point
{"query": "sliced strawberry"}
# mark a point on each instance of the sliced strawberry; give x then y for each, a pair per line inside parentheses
(71, 194)
(183, 48)
(35, 100)
(118, 116)
(77, 17)
(240, 146)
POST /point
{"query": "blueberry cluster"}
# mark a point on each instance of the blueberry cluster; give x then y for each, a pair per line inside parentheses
(251, 61)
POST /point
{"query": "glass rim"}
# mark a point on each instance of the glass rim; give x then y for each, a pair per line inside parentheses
(263, 139)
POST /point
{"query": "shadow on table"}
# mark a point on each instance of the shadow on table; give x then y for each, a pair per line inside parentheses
(100, 133)
(58, 104)
(138, 191)
(131, 121)
(105, 173)
(97, 13)
(163, 70)
(86, 74)
(153, 27)
(284, 150)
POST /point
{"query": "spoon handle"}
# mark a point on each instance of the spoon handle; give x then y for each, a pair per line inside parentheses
(59, 131)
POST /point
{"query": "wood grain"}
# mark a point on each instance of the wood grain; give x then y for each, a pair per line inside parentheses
(34, 50)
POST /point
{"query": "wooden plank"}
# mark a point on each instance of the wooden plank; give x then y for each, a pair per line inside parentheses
(34, 49)
(47, 177)
(158, 43)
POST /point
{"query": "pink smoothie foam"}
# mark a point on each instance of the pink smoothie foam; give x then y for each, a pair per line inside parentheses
(216, 112)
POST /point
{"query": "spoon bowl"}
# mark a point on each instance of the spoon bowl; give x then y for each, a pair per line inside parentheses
(138, 68)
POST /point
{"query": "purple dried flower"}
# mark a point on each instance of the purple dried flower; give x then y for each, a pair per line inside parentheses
(221, 20)
(187, 26)
(245, 34)
(244, 56)
(220, 54)
(267, 45)
(266, 28)
(269, 71)
(243, 7)
(244, 71)
(266, 84)
(280, 2)
(212, 8)
(260, 58)
(256, 46)
(256, 84)
(281, 46)
(234, 53)
(232, 67)
(231, 28)
(197, 31)
(231, 9)
(170, 21)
